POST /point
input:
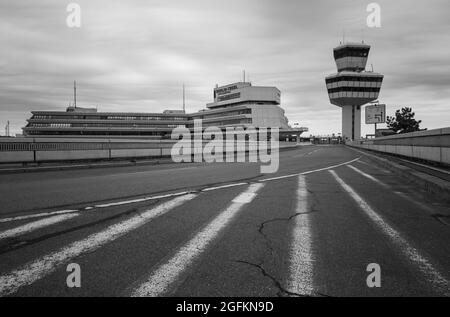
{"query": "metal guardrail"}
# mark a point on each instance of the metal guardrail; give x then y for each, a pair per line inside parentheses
(430, 145)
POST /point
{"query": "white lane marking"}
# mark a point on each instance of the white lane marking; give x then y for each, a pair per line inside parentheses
(368, 176)
(301, 257)
(169, 195)
(309, 172)
(35, 225)
(403, 195)
(124, 202)
(160, 280)
(39, 268)
(244, 198)
(43, 214)
(223, 186)
(374, 166)
(430, 273)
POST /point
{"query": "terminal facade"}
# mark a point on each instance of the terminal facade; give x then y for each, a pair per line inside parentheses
(235, 105)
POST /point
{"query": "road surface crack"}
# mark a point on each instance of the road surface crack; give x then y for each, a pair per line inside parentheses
(281, 290)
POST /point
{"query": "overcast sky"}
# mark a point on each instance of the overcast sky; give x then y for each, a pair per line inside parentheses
(135, 55)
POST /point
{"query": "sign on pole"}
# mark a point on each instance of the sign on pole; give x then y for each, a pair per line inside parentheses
(375, 114)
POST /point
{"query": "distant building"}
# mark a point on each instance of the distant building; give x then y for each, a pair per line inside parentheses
(235, 105)
(352, 86)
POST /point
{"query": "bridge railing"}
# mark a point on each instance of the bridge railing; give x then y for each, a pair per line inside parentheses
(429, 145)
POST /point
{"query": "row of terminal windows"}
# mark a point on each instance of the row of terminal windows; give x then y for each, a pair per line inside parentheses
(229, 122)
(354, 78)
(228, 97)
(223, 114)
(349, 51)
(353, 89)
(115, 117)
(112, 132)
(107, 125)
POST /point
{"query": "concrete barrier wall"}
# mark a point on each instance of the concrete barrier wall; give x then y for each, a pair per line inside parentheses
(430, 145)
(29, 150)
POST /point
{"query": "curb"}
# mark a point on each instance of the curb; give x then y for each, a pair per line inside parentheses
(431, 184)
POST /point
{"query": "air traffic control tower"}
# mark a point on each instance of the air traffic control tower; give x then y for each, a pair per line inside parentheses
(352, 86)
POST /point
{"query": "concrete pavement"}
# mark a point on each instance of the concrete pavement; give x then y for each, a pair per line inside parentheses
(311, 229)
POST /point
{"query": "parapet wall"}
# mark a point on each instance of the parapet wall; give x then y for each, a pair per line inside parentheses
(35, 150)
(430, 145)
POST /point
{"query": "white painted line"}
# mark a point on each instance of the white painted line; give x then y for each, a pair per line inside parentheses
(160, 280)
(124, 202)
(430, 273)
(301, 257)
(244, 198)
(308, 172)
(330, 167)
(119, 203)
(403, 195)
(368, 176)
(223, 186)
(278, 177)
(43, 214)
(32, 226)
(374, 166)
(33, 271)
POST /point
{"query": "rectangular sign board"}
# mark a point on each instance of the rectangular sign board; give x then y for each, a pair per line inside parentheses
(375, 114)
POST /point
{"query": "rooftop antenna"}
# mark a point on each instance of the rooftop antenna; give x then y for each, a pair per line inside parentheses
(184, 100)
(7, 128)
(75, 93)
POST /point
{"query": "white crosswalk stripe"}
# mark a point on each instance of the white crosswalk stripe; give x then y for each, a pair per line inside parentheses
(35, 225)
(160, 280)
(37, 269)
(429, 272)
(301, 257)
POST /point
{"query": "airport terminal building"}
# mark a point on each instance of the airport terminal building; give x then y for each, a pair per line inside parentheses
(235, 105)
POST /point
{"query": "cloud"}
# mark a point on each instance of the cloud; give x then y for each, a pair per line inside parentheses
(135, 55)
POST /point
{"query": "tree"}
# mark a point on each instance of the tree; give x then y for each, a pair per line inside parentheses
(404, 121)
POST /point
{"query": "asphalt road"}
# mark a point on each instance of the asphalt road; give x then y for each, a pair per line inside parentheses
(311, 229)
